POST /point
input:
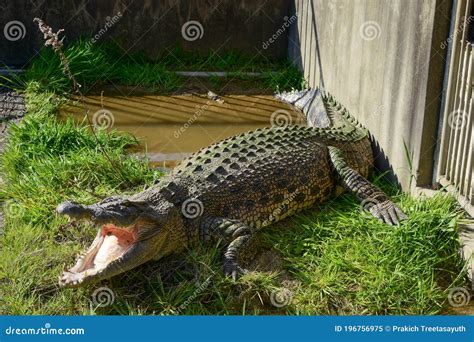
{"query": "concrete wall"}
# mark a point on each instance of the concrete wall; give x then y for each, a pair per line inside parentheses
(147, 25)
(384, 61)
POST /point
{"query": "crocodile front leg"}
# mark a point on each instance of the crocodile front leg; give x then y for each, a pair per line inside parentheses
(371, 197)
(235, 234)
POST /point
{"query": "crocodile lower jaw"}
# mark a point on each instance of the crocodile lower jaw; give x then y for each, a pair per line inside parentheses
(109, 246)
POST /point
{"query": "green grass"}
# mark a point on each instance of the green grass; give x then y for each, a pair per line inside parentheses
(333, 259)
(351, 264)
(95, 65)
(47, 161)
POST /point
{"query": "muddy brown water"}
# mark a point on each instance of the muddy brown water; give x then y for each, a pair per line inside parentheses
(170, 127)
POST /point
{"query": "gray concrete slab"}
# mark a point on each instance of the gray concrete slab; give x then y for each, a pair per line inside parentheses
(12, 109)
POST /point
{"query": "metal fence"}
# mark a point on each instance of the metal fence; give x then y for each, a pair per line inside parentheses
(456, 162)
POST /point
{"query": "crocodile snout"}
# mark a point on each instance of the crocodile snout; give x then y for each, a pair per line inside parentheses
(72, 210)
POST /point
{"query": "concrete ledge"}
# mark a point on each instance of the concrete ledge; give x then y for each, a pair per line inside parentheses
(467, 239)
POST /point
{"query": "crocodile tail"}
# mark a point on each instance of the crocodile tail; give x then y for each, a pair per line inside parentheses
(343, 125)
(324, 114)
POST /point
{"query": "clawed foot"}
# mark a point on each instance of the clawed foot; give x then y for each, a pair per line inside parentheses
(387, 212)
(233, 270)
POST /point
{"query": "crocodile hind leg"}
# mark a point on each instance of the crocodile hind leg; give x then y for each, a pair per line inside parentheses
(371, 197)
(235, 234)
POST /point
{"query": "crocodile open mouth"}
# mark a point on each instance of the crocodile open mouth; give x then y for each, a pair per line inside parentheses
(110, 244)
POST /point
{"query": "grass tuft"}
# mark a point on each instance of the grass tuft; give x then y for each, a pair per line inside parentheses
(353, 264)
(99, 64)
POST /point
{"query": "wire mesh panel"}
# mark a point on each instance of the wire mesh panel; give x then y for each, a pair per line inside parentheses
(456, 162)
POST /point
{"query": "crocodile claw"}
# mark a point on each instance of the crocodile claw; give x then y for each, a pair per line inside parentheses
(233, 270)
(388, 212)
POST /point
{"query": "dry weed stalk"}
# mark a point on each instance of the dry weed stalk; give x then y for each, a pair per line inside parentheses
(52, 39)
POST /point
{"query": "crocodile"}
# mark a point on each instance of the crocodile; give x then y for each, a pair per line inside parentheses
(228, 191)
